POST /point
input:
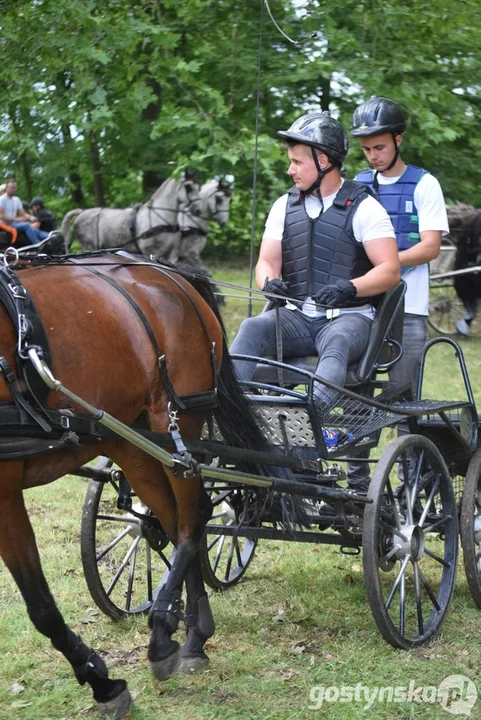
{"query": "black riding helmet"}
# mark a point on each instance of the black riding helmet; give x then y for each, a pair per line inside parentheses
(376, 116)
(321, 132)
(36, 201)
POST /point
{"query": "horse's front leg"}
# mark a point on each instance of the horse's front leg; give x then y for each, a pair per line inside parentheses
(19, 551)
(199, 621)
(193, 509)
(167, 612)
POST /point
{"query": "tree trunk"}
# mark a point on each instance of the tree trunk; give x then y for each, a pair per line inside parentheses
(152, 179)
(96, 171)
(22, 157)
(75, 183)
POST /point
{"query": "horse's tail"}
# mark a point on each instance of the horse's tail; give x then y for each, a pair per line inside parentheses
(66, 225)
(235, 417)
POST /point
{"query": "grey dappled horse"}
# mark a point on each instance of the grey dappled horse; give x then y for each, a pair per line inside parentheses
(149, 228)
(215, 197)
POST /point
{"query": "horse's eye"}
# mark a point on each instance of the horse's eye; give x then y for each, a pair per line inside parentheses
(188, 187)
(218, 199)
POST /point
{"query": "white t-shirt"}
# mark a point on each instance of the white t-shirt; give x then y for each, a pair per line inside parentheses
(10, 205)
(431, 211)
(370, 222)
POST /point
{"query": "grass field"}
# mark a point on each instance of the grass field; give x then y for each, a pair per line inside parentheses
(298, 621)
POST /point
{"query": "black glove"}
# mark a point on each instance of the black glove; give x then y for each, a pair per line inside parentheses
(336, 295)
(277, 287)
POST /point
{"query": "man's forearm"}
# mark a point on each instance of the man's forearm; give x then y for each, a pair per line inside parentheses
(377, 280)
(265, 269)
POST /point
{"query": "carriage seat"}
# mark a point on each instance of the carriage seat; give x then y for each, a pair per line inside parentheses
(383, 350)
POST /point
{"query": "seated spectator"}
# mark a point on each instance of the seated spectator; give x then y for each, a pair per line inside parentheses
(13, 214)
(47, 220)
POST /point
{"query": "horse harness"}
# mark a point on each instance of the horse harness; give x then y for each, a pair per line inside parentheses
(32, 428)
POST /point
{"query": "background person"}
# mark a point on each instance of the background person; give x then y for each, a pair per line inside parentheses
(46, 219)
(12, 213)
(415, 203)
(332, 244)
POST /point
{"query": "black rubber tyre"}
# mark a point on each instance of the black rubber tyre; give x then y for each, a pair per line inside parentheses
(122, 570)
(225, 558)
(410, 542)
(470, 526)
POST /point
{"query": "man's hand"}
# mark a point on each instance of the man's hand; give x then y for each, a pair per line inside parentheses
(336, 295)
(276, 287)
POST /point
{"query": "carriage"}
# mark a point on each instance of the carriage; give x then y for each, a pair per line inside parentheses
(119, 544)
(286, 483)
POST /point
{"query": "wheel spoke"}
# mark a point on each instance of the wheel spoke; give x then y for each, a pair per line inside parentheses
(395, 530)
(429, 591)
(148, 560)
(111, 545)
(419, 605)
(385, 559)
(438, 559)
(122, 566)
(230, 556)
(128, 599)
(393, 504)
(430, 499)
(414, 491)
(438, 523)
(402, 604)
(120, 519)
(219, 552)
(397, 581)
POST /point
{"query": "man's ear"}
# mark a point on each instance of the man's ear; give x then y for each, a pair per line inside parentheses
(323, 160)
(399, 139)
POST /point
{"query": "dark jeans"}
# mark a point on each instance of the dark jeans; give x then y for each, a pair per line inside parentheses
(406, 370)
(338, 343)
(33, 234)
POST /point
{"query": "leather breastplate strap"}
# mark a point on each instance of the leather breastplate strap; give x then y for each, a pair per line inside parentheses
(30, 333)
(195, 401)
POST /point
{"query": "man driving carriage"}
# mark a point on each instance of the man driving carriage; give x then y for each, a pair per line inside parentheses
(328, 250)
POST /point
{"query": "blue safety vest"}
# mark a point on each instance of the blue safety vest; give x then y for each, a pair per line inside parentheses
(398, 200)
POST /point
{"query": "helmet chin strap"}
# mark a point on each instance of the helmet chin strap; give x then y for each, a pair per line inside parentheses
(375, 182)
(316, 185)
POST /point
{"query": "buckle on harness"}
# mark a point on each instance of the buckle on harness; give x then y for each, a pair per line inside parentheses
(185, 464)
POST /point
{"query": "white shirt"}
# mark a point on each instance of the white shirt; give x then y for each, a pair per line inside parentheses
(370, 222)
(431, 211)
(10, 205)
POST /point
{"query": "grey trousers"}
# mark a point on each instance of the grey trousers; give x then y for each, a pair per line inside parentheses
(337, 343)
(406, 370)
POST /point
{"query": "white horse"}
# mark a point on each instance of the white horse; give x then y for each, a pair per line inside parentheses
(149, 228)
(215, 197)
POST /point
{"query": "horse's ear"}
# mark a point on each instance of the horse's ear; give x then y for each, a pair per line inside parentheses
(190, 174)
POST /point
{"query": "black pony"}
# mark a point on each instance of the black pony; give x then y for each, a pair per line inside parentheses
(468, 254)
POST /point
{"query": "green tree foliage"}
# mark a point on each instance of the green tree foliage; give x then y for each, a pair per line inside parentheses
(103, 99)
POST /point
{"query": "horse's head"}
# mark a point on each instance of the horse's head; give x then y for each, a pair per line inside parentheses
(217, 197)
(188, 198)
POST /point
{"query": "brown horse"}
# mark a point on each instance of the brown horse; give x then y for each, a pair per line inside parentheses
(102, 351)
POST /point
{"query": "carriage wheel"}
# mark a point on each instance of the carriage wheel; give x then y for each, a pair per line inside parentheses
(225, 558)
(470, 526)
(445, 309)
(410, 542)
(125, 558)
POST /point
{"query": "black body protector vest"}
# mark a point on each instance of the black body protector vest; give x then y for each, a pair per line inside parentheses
(319, 251)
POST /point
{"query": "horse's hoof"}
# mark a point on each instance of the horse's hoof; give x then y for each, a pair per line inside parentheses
(117, 708)
(190, 665)
(164, 669)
